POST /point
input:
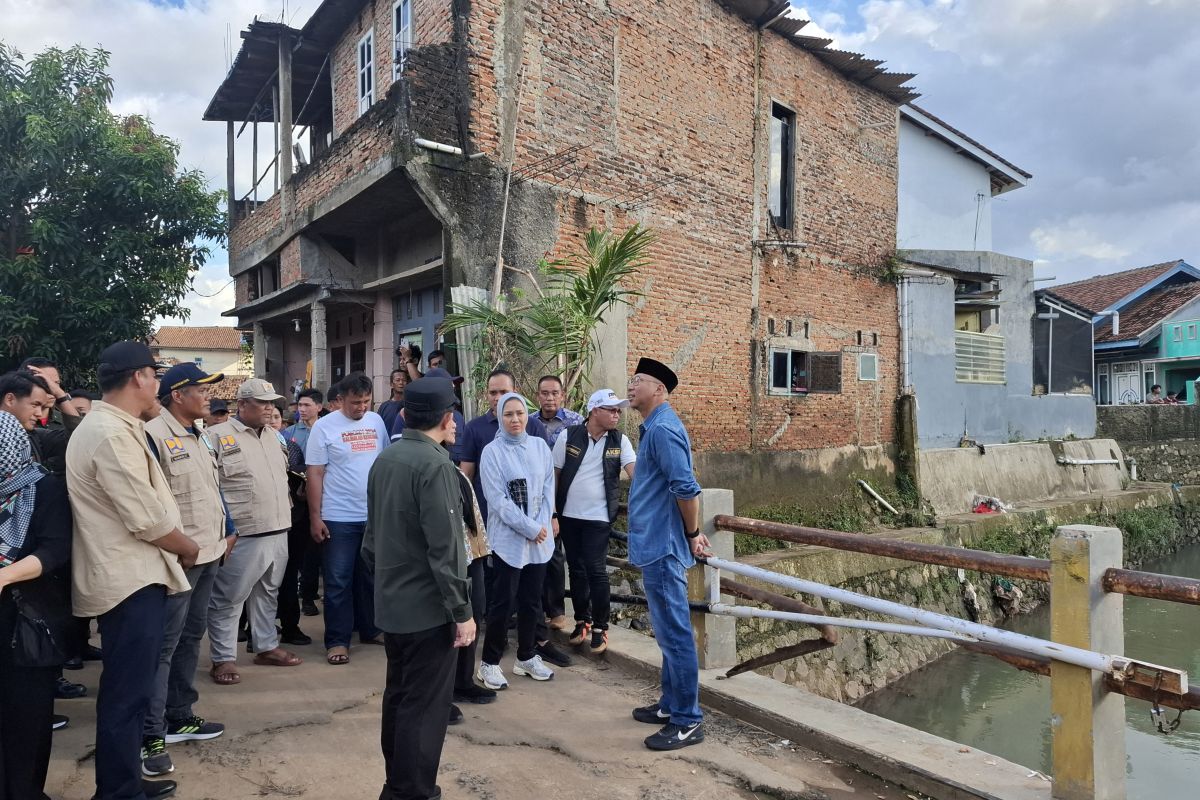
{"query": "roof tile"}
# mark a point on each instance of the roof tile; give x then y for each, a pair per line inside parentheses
(1099, 293)
(187, 337)
(1148, 311)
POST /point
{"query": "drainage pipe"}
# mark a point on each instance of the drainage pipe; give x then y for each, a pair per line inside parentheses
(750, 612)
(1085, 462)
(867, 487)
(984, 633)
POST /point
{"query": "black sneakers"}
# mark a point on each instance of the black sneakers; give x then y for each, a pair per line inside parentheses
(192, 730)
(550, 653)
(474, 694)
(456, 715)
(651, 715)
(673, 737)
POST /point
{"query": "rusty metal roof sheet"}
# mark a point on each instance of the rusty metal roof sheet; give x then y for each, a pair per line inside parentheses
(856, 67)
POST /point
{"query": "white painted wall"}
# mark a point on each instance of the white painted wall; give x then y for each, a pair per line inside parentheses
(939, 196)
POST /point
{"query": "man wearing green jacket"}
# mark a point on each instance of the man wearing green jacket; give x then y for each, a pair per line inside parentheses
(414, 545)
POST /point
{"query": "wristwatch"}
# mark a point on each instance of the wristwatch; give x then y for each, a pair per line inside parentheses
(66, 398)
(693, 534)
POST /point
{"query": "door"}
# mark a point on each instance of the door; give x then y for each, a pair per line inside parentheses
(1127, 382)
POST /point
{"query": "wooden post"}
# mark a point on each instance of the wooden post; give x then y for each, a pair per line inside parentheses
(254, 158)
(1087, 721)
(231, 202)
(716, 640)
(285, 120)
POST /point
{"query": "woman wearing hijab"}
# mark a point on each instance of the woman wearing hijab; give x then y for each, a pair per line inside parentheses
(35, 540)
(517, 473)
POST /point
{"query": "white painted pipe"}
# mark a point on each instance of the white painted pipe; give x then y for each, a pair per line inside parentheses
(750, 612)
(1086, 462)
(931, 619)
(877, 496)
(438, 147)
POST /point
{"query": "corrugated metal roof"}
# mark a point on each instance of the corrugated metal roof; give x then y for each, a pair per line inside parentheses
(854, 66)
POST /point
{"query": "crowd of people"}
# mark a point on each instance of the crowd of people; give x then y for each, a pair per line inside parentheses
(152, 510)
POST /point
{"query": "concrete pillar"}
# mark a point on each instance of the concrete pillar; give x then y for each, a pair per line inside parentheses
(716, 637)
(260, 351)
(1087, 721)
(383, 354)
(320, 349)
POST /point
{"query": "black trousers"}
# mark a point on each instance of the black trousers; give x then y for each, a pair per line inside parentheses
(586, 542)
(416, 710)
(26, 706)
(300, 542)
(465, 668)
(131, 635)
(513, 588)
(554, 590)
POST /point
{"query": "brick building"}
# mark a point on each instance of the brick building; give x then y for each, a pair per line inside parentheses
(765, 162)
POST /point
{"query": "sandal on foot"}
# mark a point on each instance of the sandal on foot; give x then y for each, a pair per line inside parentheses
(337, 659)
(277, 658)
(225, 677)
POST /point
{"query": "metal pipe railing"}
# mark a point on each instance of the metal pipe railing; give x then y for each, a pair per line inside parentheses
(1037, 569)
(1123, 581)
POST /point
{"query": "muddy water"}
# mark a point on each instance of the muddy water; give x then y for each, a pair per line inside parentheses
(986, 704)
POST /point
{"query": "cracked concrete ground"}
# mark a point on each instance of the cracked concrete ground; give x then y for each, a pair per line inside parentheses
(313, 731)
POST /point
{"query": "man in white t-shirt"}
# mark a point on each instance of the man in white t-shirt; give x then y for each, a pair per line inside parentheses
(341, 449)
(588, 461)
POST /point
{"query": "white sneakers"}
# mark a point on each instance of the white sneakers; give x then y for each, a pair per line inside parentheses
(491, 676)
(534, 668)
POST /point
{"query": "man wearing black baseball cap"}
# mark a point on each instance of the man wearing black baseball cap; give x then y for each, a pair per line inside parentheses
(414, 543)
(189, 460)
(664, 541)
(129, 553)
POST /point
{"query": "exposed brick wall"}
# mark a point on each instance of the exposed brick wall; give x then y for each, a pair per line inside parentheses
(289, 263)
(433, 25)
(663, 95)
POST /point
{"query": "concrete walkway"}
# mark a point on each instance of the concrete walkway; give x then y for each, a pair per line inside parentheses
(313, 731)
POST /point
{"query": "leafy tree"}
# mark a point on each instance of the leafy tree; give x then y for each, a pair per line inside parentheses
(101, 232)
(555, 329)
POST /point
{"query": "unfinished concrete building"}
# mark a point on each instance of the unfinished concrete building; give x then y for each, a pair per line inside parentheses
(765, 162)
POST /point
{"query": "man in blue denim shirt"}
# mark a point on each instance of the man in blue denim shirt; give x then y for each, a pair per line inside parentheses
(664, 540)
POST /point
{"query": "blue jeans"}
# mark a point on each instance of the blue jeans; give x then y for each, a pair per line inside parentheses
(349, 586)
(667, 598)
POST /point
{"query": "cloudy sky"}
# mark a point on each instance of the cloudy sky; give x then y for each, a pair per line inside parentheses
(1097, 98)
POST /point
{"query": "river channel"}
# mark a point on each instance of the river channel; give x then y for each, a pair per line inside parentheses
(988, 705)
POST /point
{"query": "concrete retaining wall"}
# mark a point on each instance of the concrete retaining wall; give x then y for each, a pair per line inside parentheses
(1018, 473)
(763, 477)
(1164, 440)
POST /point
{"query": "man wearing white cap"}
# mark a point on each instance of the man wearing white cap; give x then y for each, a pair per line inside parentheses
(253, 474)
(588, 460)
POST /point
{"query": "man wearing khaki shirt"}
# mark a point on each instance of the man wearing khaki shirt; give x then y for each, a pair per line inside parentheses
(128, 554)
(189, 460)
(253, 473)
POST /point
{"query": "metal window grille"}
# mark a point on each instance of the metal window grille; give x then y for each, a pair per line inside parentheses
(978, 357)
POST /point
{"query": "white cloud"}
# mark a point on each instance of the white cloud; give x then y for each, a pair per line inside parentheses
(1097, 98)
(167, 61)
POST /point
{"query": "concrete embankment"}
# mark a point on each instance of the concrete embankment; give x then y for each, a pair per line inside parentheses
(917, 761)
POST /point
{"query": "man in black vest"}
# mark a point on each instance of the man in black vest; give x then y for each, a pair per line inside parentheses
(588, 460)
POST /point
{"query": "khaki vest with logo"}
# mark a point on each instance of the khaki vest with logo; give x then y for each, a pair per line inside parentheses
(253, 471)
(190, 464)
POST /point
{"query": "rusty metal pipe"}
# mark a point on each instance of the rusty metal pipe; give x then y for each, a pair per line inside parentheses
(1037, 569)
(1041, 666)
(779, 601)
(1153, 585)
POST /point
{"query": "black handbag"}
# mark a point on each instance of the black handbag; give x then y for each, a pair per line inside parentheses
(40, 629)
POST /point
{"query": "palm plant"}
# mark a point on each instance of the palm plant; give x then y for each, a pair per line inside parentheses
(554, 330)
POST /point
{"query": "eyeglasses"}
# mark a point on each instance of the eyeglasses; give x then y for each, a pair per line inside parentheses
(637, 379)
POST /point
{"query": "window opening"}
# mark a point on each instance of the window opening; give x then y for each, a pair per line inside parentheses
(780, 169)
(366, 72)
